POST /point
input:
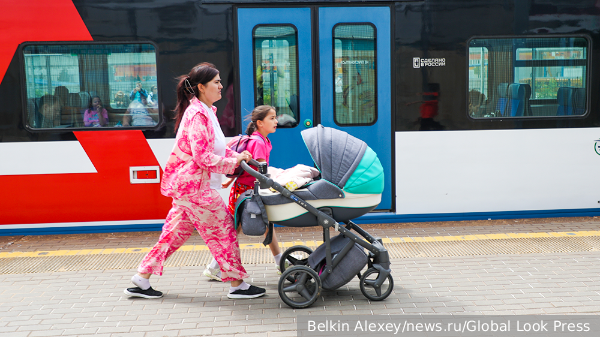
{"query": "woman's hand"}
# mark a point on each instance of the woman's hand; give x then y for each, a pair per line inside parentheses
(243, 156)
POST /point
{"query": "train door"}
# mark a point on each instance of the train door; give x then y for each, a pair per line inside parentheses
(276, 69)
(346, 50)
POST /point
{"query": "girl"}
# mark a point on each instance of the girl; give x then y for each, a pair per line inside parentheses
(193, 172)
(95, 115)
(263, 122)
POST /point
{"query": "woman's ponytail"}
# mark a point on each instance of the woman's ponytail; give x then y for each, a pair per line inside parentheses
(183, 99)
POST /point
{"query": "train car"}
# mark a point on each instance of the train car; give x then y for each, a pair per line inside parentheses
(476, 109)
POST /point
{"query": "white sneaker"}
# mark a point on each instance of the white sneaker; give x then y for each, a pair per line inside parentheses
(212, 273)
(287, 265)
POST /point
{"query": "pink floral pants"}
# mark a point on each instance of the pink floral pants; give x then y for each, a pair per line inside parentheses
(215, 225)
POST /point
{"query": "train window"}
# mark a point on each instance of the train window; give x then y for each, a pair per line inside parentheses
(276, 64)
(355, 74)
(528, 77)
(90, 85)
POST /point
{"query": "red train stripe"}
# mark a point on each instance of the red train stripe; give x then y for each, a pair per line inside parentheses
(37, 20)
(104, 196)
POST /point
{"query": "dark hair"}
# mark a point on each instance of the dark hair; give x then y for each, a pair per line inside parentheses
(61, 92)
(91, 99)
(187, 87)
(49, 99)
(258, 114)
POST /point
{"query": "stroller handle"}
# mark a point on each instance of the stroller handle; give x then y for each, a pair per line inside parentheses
(252, 171)
(261, 175)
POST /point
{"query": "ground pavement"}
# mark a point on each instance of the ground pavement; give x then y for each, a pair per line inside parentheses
(74, 283)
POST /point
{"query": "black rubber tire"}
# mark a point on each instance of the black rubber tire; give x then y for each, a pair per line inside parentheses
(303, 291)
(287, 255)
(369, 291)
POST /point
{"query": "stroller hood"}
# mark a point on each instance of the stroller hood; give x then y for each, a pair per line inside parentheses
(344, 160)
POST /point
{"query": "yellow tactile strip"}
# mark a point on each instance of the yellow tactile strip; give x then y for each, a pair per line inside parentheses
(191, 248)
(400, 247)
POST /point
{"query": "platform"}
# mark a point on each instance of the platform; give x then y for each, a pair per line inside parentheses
(72, 285)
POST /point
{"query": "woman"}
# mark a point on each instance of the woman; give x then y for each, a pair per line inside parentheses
(193, 173)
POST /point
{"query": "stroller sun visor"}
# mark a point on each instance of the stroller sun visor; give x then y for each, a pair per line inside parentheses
(344, 160)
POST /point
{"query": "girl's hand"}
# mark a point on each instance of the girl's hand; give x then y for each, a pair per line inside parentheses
(227, 182)
(243, 156)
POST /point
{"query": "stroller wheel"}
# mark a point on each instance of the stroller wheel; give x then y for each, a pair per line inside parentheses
(296, 255)
(303, 291)
(369, 288)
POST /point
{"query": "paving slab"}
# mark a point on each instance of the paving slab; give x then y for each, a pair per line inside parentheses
(92, 302)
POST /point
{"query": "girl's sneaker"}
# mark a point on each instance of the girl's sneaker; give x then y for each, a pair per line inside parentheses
(287, 265)
(212, 273)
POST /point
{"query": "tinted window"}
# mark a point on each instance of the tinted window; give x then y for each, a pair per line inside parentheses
(90, 85)
(355, 74)
(528, 77)
(276, 64)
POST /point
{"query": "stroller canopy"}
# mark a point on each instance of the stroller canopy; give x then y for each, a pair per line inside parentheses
(344, 160)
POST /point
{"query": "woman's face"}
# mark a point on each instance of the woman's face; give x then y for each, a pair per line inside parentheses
(211, 91)
(96, 102)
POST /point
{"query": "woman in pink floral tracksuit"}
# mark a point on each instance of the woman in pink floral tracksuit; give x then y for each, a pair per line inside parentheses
(193, 172)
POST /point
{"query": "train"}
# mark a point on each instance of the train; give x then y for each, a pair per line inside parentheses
(476, 109)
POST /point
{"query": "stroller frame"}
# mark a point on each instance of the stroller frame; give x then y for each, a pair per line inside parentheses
(304, 279)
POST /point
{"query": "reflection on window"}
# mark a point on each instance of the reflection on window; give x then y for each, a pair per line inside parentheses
(527, 77)
(276, 64)
(478, 78)
(355, 74)
(89, 85)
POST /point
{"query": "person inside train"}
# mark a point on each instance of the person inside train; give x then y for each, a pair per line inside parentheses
(153, 96)
(48, 115)
(259, 87)
(121, 100)
(227, 119)
(138, 114)
(476, 100)
(62, 93)
(191, 177)
(429, 108)
(95, 115)
(138, 92)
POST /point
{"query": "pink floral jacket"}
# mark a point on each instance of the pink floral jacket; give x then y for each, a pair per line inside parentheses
(187, 173)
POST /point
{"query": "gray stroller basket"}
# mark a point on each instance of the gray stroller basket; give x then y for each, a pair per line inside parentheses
(350, 186)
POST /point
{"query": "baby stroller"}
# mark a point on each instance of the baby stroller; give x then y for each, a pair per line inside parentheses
(350, 185)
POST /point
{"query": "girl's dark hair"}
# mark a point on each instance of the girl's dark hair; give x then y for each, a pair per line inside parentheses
(258, 114)
(91, 100)
(187, 87)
